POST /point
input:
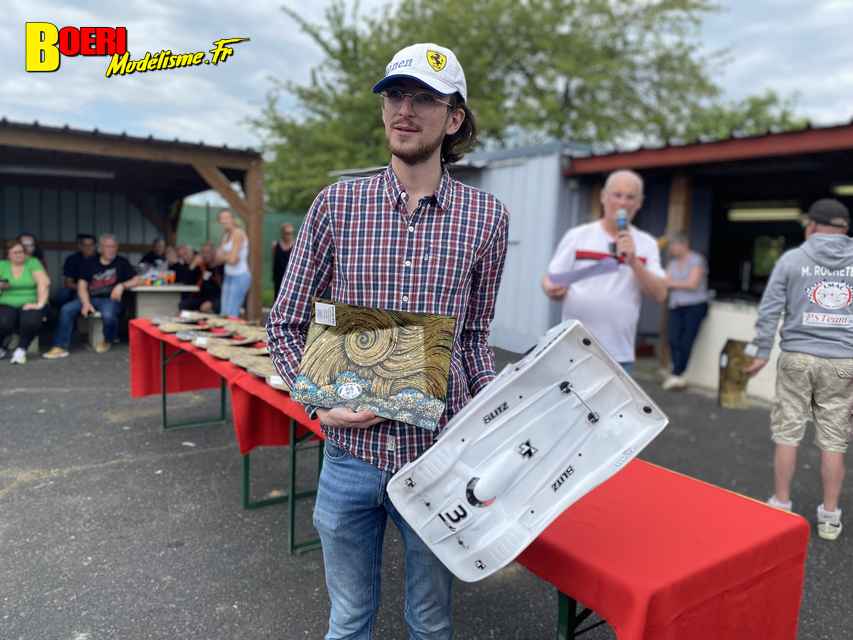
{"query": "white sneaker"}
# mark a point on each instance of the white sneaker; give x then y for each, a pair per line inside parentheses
(674, 383)
(828, 523)
(19, 356)
(773, 501)
(3, 353)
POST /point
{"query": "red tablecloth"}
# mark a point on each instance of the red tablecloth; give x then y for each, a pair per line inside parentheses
(187, 373)
(662, 556)
(262, 414)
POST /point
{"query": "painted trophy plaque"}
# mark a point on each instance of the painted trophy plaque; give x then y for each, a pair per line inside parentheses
(733, 378)
(393, 363)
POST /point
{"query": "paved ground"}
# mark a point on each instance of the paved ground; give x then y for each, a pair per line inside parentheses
(111, 529)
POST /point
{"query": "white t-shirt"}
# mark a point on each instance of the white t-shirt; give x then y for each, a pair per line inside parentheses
(608, 304)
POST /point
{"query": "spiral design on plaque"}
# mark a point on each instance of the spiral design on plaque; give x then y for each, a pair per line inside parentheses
(370, 346)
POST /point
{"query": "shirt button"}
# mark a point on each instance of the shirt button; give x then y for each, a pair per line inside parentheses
(408, 263)
(411, 229)
(405, 298)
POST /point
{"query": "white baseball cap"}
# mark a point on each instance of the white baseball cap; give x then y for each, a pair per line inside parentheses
(427, 63)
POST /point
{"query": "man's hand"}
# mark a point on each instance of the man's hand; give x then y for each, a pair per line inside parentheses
(86, 309)
(117, 292)
(553, 291)
(346, 417)
(755, 366)
(32, 306)
(625, 247)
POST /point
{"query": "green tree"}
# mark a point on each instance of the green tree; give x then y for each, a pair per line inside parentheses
(596, 71)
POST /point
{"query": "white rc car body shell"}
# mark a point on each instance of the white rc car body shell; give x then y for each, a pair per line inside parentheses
(546, 431)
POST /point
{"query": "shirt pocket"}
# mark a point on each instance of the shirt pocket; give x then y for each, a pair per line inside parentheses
(448, 266)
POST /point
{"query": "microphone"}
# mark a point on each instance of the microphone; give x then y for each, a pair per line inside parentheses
(621, 225)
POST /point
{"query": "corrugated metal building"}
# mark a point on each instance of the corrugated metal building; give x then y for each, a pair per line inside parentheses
(56, 216)
(542, 206)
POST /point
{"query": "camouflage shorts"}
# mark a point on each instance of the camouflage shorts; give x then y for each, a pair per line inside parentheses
(812, 388)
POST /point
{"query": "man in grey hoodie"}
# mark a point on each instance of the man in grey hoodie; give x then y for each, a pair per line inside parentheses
(813, 286)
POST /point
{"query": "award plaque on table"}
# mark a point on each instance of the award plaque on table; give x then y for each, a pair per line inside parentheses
(393, 363)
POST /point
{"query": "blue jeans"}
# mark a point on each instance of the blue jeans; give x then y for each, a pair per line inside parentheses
(234, 290)
(684, 323)
(351, 512)
(109, 309)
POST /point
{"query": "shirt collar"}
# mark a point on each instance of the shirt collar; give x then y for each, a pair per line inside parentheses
(394, 190)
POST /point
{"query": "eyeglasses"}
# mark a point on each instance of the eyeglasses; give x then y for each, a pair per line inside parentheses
(421, 101)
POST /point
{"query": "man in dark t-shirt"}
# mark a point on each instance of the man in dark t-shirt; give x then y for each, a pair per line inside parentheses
(102, 282)
(86, 245)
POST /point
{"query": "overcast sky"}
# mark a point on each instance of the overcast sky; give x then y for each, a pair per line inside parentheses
(802, 46)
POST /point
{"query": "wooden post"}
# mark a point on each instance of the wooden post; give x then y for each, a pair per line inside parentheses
(251, 210)
(254, 190)
(678, 219)
(678, 214)
(595, 211)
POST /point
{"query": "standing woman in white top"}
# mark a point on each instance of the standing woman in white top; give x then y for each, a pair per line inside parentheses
(233, 252)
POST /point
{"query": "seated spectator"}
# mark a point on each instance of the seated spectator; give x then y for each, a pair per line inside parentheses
(186, 271)
(72, 266)
(24, 287)
(31, 246)
(209, 281)
(103, 281)
(186, 254)
(176, 261)
(156, 257)
(171, 256)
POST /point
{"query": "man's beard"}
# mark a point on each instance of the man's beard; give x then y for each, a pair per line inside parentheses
(419, 154)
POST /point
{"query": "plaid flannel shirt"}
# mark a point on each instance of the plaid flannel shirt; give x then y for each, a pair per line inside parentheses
(360, 244)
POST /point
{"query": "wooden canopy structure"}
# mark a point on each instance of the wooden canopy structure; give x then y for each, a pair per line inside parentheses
(154, 175)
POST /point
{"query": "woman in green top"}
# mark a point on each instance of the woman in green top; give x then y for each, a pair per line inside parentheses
(24, 287)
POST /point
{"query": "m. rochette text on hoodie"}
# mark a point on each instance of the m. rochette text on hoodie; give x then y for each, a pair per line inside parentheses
(813, 286)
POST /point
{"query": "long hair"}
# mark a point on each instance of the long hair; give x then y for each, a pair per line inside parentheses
(458, 144)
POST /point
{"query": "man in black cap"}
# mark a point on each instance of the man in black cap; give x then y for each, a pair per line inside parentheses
(813, 286)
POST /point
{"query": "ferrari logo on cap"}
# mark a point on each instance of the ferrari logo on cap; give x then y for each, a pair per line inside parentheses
(436, 60)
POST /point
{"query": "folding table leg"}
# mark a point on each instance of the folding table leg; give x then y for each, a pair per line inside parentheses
(568, 618)
(164, 362)
(246, 491)
(295, 442)
(248, 503)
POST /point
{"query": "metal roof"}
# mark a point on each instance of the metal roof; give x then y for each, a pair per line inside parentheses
(808, 139)
(123, 136)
